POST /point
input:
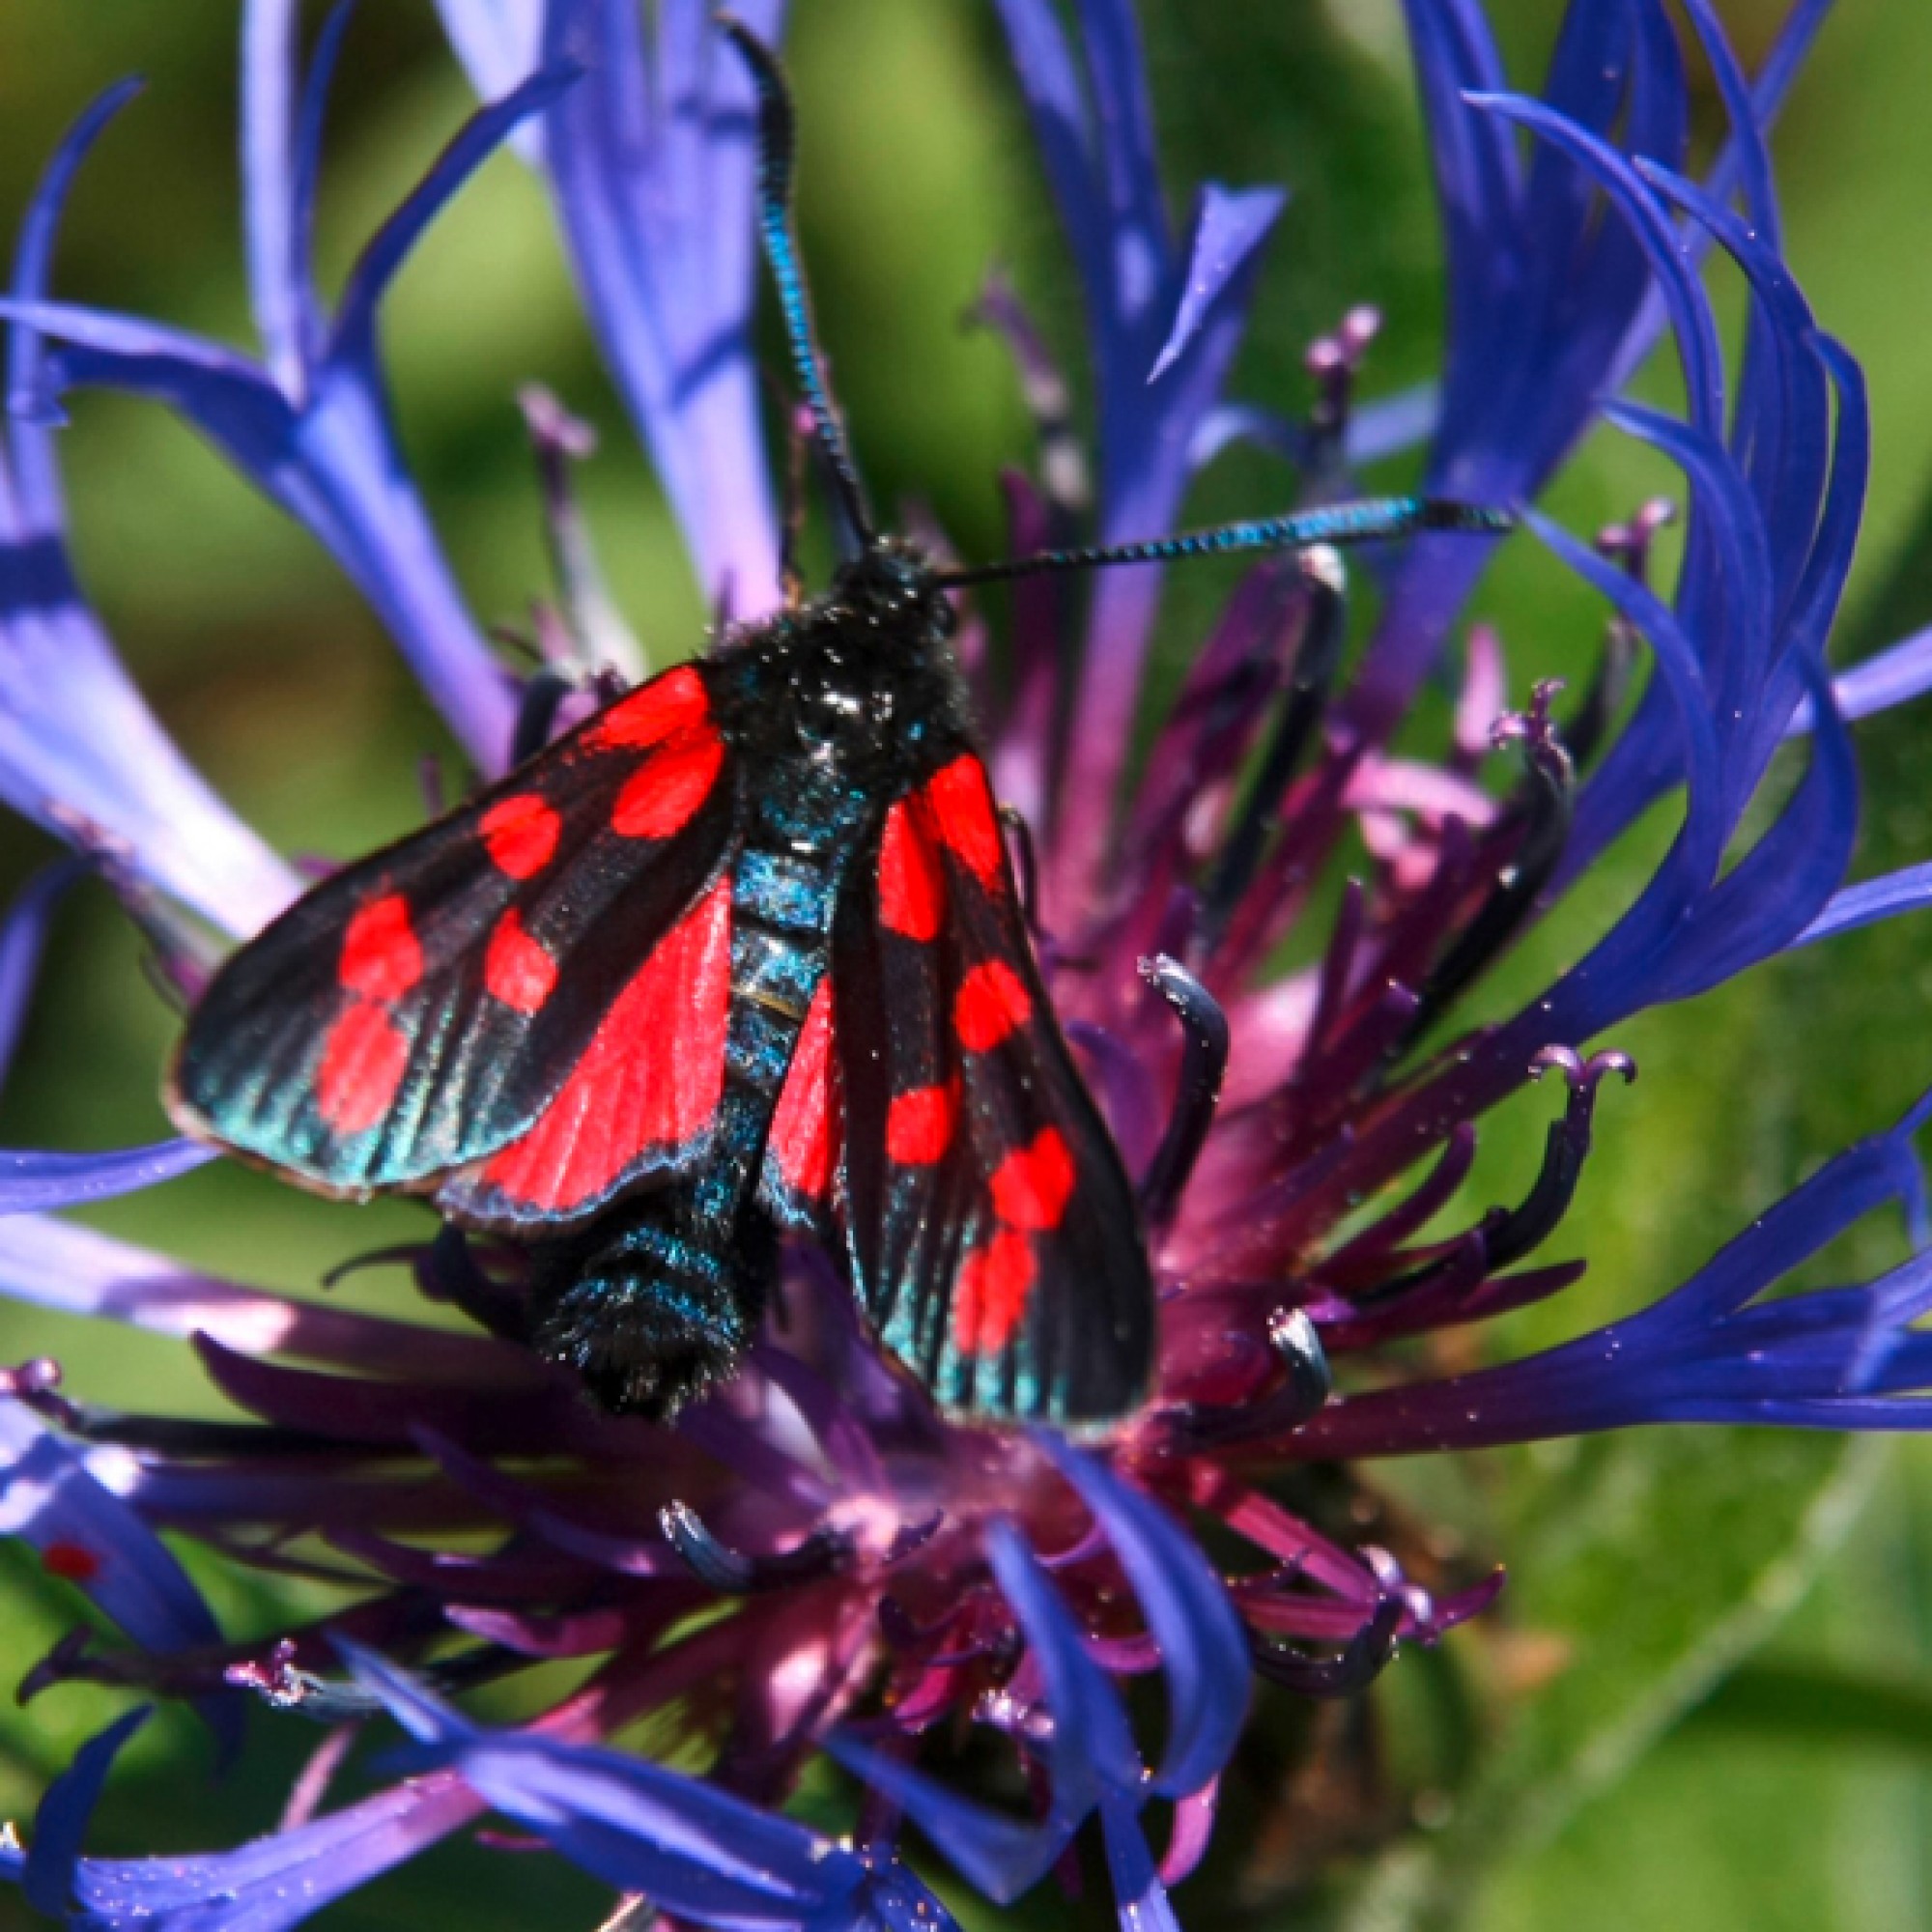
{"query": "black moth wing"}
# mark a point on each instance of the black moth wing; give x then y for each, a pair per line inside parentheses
(420, 1009)
(992, 1230)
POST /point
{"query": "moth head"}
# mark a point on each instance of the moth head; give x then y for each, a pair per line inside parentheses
(893, 582)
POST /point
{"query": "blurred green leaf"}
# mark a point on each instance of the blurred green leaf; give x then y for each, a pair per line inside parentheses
(1829, 1704)
(1642, 1575)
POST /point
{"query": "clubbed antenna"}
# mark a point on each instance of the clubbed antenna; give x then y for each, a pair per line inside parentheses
(778, 149)
(1370, 521)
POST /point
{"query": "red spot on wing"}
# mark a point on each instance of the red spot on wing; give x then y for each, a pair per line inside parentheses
(516, 969)
(919, 1124)
(520, 834)
(961, 804)
(990, 1293)
(991, 1002)
(674, 702)
(650, 1078)
(662, 795)
(380, 957)
(1032, 1185)
(803, 1134)
(364, 1058)
(912, 889)
(74, 1562)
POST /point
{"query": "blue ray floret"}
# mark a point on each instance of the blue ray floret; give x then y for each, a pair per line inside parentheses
(311, 425)
(1550, 308)
(650, 163)
(79, 751)
(1165, 314)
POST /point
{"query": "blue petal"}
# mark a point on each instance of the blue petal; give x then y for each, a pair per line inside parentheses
(1683, 677)
(50, 1499)
(1784, 414)
(1090, 1744)
(1127, 166)
(1882, 682)
(1377, 430)
(83, 757)
(60, 1825)
(1702, 1354)
(35, 474)
(1799, 28)
(273, 220)
(1043, 61)
(1781, 67)
(23, 938)
(1089, 114)
(1587, 79)
(998, 1856)
(1088, 1749)
(1117, 74)
(693, 1850)
(1655, 125)
(1771, 896)
(319, 442)
(49, 1496)
(1829, 562)
(1613, 62)
(425, 1717)
(896, 1901)
(334, 466)
(479, 137)
(221, 393)
(50, 1262)
(1696, 332)
(79, 751)
(1392, 424)
(1869, 901)
(1750, 158)
(1229, 228)
(1730, 520)
(1139, 1896)
(311, 324)
(274, 1881)
(31, 1182)
(498, 40)
(128, 336)
(1478, 180)
(651, 161)
(1204, 1646)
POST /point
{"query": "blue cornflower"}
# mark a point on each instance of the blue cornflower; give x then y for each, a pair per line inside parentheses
(812, 1562)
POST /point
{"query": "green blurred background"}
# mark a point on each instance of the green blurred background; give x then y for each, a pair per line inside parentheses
(1707, 1699)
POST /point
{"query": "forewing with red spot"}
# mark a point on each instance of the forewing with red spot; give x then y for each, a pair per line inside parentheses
(483, 998)
(992, 1230)
(641, 1094)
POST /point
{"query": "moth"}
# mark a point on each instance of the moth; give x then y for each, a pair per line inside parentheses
(741, 958)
